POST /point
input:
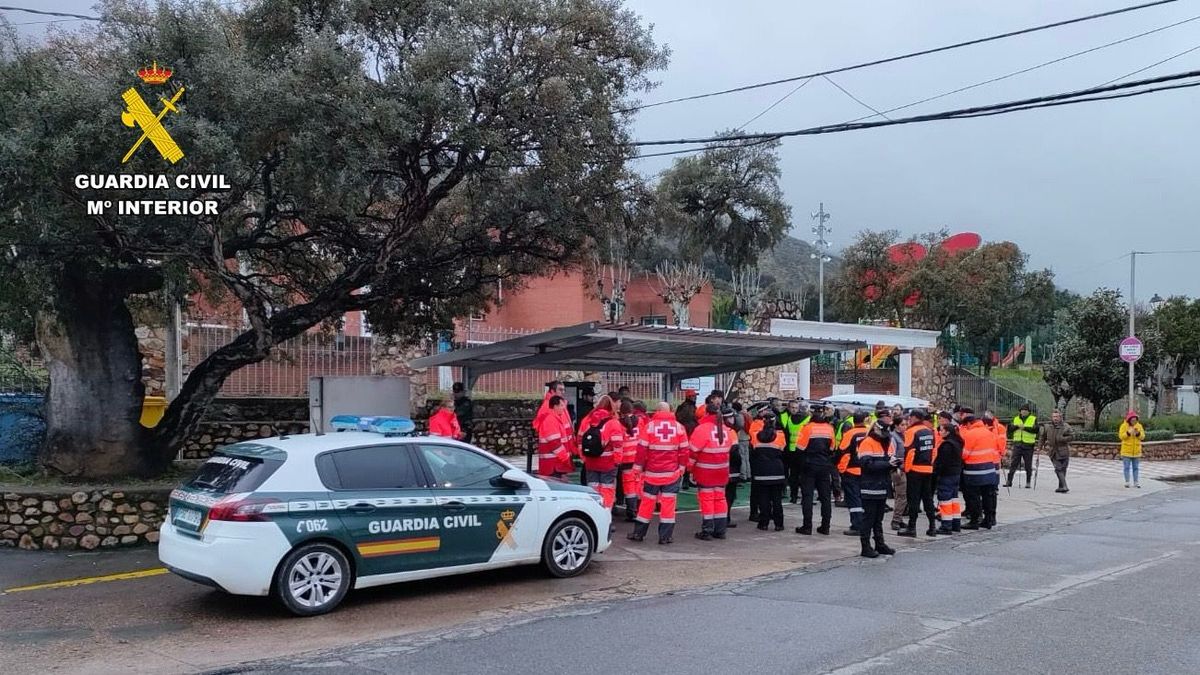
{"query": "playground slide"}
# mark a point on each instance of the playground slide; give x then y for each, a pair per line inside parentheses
(879, 355)
(1013, 354)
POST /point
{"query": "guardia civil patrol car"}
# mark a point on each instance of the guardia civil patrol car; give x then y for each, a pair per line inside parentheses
(306, 518)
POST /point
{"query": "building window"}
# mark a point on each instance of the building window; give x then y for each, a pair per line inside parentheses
(654, 321)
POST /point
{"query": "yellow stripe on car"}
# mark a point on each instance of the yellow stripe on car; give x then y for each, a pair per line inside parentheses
(395, 546)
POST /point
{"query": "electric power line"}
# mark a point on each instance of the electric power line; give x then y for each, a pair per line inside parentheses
(853, 97)
(1152, 65)
(901, 57)
(1065, 98)
(46, 13)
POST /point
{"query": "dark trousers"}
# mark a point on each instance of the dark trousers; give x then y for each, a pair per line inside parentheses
(835, 481)
(981, 503)
(1021, 454)
(854, 501)
(920, 491)
(973, 499)
(755, 488)
(731, 490)
(872, 523)
(1060, 470)
(770, 503)
(816, 479)
(794, 467)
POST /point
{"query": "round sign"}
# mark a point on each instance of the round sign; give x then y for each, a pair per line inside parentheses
(1130, 349)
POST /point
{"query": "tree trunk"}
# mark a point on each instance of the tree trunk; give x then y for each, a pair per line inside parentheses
(94, 405)
(1096, 410)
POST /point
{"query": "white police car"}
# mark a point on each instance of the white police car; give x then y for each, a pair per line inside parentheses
(306, 518)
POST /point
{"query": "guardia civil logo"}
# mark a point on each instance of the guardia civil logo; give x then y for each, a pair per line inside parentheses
(138, 115)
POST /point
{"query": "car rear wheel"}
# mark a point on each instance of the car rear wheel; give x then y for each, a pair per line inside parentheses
(313, 579)
(568, 548)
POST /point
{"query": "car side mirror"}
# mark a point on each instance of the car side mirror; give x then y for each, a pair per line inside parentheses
(514, 478)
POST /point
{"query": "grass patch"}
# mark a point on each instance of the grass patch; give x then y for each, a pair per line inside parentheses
(32, 476)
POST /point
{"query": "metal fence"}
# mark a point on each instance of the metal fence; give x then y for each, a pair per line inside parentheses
(20, 371)
(285, 372)
(983, 394)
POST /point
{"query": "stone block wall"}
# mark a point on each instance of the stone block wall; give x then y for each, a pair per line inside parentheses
(931, 377)
(232, 420)
(81, 518)
(502, 426)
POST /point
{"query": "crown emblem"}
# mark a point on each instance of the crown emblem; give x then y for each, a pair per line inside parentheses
(155, 74)
(508, 515)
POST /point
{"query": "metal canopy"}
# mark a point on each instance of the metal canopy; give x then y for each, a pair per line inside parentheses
(672, 351)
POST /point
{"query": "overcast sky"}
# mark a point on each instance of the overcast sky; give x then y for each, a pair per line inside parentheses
(1075, 186)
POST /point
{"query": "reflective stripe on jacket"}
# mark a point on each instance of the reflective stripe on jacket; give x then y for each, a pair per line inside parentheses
(922, 449)
(874, 458)
(816, 440)
(663, 450)
(981, 461)
(711, 442)
(846, 457)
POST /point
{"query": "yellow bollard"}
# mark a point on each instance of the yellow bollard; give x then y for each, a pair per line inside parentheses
(153, 408)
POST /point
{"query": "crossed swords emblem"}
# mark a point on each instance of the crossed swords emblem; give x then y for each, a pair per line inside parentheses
(138, 114)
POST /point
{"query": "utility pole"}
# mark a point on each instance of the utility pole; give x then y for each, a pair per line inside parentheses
(821, 245)
(1132, 267)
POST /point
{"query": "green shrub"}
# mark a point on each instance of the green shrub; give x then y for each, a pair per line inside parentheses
(1111, 436)
(1180, 424)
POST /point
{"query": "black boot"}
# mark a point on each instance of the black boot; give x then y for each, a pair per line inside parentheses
(719, 525)
(666, 532)
(806, 528)
(933, 530)
(631, 509)
(823, 529)
(639, 531)
(909, 531)
(971, 525)
(867, 551)
(883, 548)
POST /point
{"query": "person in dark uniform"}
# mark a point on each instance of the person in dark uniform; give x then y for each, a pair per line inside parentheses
(947, 471)
(876, 458)
(464, 410)
(767, 472)
(921, 453)
(815, 444)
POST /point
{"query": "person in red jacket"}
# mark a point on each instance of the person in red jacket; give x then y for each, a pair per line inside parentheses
(663, 454)
(711, 444)
(554, 437)
(444, 422)
(631, 479)
(603, 443)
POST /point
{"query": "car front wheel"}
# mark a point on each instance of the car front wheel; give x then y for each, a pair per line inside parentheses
(568, 548)
(313, 579)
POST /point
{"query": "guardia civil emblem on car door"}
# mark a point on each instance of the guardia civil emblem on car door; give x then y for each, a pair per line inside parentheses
(504, 527)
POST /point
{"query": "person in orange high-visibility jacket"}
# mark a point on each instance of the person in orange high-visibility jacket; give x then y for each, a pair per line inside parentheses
(876, 458)
(990, 420)
(711, 443)
(602, 468)
(631, 478)
(554, 457)
(848, 468)
(815, 444)
(920, 441)
(662, 456)
(981, 471)
(947, 468)
(444, 423)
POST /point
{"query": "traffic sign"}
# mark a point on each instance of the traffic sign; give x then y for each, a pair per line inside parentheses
(789, 382)
(1130, 349)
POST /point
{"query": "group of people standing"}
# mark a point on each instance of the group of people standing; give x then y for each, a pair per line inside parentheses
(807, 453)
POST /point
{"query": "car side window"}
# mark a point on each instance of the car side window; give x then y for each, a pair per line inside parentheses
(380, 467)
(459, 468)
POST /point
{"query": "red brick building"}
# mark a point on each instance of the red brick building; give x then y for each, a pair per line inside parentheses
(565, 300)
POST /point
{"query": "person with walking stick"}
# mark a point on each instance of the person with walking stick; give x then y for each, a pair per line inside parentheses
(1055, 438)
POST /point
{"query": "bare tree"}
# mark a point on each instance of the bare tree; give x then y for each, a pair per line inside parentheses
(612, 280)
(680, 282)
(747, 293)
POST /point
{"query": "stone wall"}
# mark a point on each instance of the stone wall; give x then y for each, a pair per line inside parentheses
(231, 420)
(152, 343)
(931, 377)
(81, 518)
(1155, 451)
(389, 358)
(502, 426)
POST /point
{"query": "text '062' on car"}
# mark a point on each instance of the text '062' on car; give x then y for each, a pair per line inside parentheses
(306, 518)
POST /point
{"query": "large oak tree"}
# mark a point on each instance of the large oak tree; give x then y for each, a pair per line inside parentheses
(392, 156)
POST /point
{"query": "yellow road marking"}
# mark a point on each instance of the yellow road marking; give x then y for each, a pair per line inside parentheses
(68, 583)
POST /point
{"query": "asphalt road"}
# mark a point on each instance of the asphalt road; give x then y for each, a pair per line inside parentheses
(1111, 589)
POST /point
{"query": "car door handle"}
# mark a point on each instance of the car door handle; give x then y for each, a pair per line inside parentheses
(454, 506)
(362, 507)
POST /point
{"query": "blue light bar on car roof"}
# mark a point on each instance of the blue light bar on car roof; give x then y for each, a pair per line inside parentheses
(388, 426)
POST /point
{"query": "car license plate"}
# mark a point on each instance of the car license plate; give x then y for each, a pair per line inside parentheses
(188, 517)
